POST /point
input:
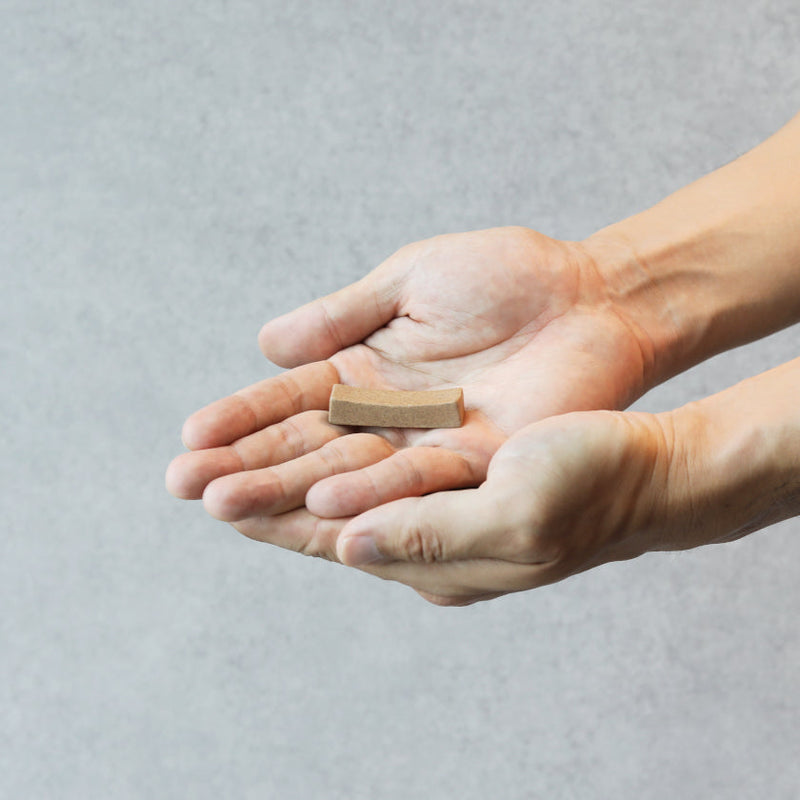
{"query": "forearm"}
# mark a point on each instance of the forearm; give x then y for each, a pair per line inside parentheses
(735, 461)
(713, 266)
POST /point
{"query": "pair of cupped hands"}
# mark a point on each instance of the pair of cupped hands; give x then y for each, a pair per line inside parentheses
(545, 478)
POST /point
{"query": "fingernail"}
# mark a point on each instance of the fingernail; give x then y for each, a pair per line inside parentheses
(361, 550)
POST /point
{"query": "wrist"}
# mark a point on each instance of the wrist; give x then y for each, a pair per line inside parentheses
(734, 465)
(644, 301)
(714, 265)
(668, 279)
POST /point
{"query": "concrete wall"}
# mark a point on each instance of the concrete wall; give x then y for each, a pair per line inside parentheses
(173, 174)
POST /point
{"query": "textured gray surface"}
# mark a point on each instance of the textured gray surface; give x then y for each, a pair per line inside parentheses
(172, 174)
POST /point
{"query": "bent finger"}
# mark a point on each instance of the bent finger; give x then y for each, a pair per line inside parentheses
(411, 472)
(264, 403)
(281, 488)
(322, 327)
(190, 473)
(297, 530)
(487, 522)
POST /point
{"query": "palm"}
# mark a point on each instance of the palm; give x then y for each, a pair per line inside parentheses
(518, 320)
(524, 344)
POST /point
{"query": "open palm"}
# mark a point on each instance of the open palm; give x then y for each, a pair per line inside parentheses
(522, 322)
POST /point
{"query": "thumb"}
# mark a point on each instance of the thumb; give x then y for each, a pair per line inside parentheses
(324, 326)
(439, 527)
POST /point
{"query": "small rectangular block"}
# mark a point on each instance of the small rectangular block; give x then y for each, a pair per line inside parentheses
(380, 408)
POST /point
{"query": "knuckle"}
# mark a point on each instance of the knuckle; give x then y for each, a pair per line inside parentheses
(540, 544)
(420, 543)
(294, 390)
(330, 322)
(371, 486)
(271, 490)
(290, 438)
(531, 544)
(520, 535)
(332, 456)
(318, 544)
(412, 478)
(533, 533)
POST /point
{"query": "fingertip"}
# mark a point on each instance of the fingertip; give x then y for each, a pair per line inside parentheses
(294, 339)
(198, 432)
(332, 498)
(219, 502)
(372, 531)
(219, 423)
(319, 329)
(194, 435)
(190, 434)
(177, 480)
(321, 501)
(359, 551)
(263, 340)
(270, 344)
(189, 473)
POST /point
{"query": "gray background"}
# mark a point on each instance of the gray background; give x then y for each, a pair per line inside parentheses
(175, 173)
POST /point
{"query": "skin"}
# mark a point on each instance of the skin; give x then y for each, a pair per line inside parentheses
(540, 338)
(548, 349)
(575, 491)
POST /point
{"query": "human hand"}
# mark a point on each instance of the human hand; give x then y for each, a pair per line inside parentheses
(522, 322)
(561, 496)
(572, 492)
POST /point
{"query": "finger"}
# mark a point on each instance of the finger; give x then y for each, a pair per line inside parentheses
(297, 530)
(190, 473)
(321, 328)
(437, 528)
(411, 472)
(282, 488)
(454, 548)
(454, 584)
(259, 405)
(492, 522)
(464, 582)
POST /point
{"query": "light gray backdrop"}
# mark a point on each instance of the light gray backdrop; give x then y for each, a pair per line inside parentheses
(175, 173)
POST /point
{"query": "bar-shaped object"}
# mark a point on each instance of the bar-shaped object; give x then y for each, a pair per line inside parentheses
(380, 408)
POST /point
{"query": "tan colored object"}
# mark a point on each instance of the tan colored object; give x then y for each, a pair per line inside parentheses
(351, 405)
